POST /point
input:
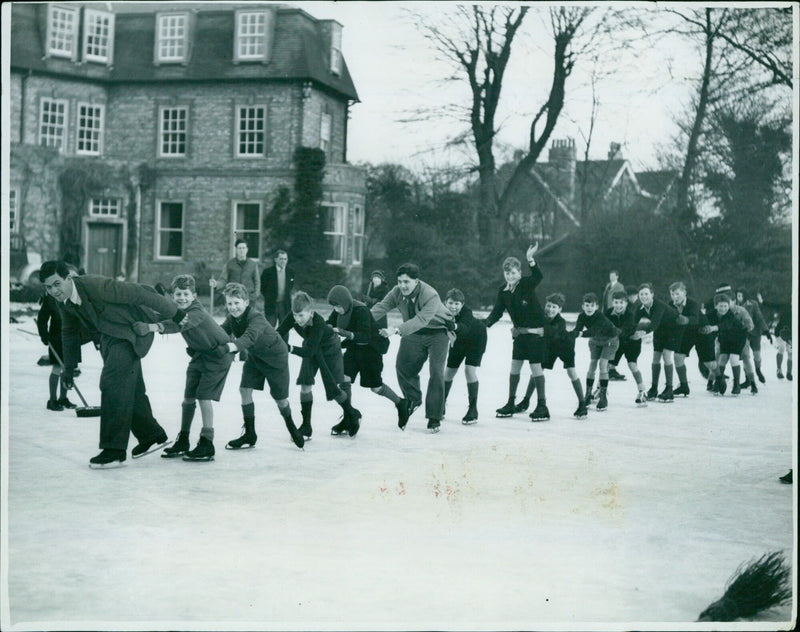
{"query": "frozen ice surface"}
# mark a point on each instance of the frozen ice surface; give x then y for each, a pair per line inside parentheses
(631, 515)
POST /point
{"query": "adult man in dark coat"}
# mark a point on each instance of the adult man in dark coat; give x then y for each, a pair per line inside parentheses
(106, 309)
(276, 287)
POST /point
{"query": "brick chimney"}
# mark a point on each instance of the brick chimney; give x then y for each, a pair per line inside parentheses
(615, 151)
(562, 159)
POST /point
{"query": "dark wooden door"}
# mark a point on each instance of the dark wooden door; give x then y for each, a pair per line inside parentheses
(105, 249)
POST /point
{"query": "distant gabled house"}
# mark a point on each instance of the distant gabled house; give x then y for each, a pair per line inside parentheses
(196, 110)
(560, 194)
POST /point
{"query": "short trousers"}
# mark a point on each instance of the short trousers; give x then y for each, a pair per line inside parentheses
(367, 362)
(631, 349)
(667, 338)
(528, 347)
(332, 374)
(755, 341)
(255, 371)
(559, 352)
(458, 353)
(603, 348)
(205, 377)
(732, 344)
(705, 347)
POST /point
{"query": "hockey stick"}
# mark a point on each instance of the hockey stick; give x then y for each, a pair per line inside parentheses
(81, 411)
(211, 310)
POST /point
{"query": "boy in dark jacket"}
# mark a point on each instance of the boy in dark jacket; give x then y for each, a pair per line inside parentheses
(560, 344)
(48, 323)
(321, 351)
(265, 356)
(469, 345)
(363, 348)
(732, 329)
(518, 297)
(760, 328)
(654, 315)
(603, 342)
(622, 316)
(376, 292)
(207, 345)
(688, 322)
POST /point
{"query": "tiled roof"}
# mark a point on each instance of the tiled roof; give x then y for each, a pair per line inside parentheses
(656, 182)
(298, 51)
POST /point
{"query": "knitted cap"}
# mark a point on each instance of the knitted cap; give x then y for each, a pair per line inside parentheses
(378, 273)
(340, 296)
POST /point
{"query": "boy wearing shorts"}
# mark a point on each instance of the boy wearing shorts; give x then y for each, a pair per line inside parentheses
(688, 321)
(469, 347)
(265, 358)
(518, 298)
(363, 348)
(622, 317)
(207, 345)
(603, 344)
(321, 351)
(560, 345)
(732, 336)
(654, 315)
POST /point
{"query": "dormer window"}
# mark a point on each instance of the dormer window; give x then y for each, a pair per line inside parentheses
(253, 39)
(336, 48)
(172, 31)
(62, 31)
(98, 36)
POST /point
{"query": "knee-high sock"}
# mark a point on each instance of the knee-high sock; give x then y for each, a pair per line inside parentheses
(656, 368)
(530, 388)
(513, 382)
(589, 384)
(447, 385)
(681, 371)
(540, 395)
(472, 393)
(54, 379)
(208, 433)
(576, 386)
(668, 375)
(736, 373)
(187, 415)
(306, 402)
(388, 393)
(779, 359)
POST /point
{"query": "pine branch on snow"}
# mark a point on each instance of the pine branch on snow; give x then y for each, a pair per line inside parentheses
(753, 588)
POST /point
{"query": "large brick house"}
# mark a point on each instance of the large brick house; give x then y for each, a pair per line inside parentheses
(190, 115)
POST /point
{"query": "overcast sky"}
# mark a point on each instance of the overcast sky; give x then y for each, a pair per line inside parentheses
(396, 72)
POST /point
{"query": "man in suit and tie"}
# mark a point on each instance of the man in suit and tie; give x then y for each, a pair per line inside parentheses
(276, 287)
(106, 309)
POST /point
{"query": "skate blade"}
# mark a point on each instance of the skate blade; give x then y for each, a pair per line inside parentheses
(154, 448)
(537, 419)
(469, 422)
(172, 455)
(665, 401)
(504, 415)
(433, 430)
(107, 466)
(244, 447)
(201, 459)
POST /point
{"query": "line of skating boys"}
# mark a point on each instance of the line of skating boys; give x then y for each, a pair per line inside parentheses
(350, 342)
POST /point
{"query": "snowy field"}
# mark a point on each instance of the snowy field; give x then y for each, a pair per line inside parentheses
(632, 518)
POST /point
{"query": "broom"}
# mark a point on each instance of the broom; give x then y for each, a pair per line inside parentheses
(81, 411)
(753, 588)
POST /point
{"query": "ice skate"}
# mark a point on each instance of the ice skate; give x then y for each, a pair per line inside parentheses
(471, 417)
(305, 429)
(506, 410)
(203, 451)
(652, 393)
(540, 413)
(736, 389)
(789, 375)
(178, 448)
(666, 396)
(403, 413)
(641, 399)
(582, 412)
(246, 441)
(294, 433)
(721, 385)
(340, 428)
(108, 459)
(353, 423)
(615, 375)
(66, 403)
(787, 478)
(780, 374)
(602, 402)
(52, 404)
(150, 445)
(753, 388)
(522, 406)
(683, 389)
(760, 376)
(433, 425)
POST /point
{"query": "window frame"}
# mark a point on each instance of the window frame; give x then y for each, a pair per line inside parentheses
(70, 37)
(342, 207)
(64, 125)
(13, 210)
(238, 232)
(161, 40)
(238, 131)
(101, 108)
(337, 59)
(162, 132)
(159, 230)
(264, 37)
(95, 13)
(325, 143)
(104, 202)
(358, 233)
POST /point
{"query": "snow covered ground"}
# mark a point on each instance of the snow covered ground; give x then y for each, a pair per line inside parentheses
(632, 518)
